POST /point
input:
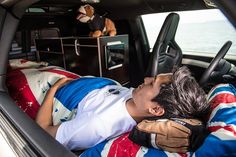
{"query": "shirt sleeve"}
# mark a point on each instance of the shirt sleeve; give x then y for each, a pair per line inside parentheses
(82, 132)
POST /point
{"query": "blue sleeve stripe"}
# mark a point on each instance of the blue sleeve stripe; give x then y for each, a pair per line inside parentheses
(72, 93)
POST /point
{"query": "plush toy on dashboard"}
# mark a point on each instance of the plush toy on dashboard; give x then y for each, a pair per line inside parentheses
(98, 25)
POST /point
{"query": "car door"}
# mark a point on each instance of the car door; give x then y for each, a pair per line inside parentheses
(20, 135)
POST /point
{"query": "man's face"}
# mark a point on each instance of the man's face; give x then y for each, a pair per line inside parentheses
(144, 93)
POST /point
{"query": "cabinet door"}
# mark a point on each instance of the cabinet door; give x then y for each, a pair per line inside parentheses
(81, 58)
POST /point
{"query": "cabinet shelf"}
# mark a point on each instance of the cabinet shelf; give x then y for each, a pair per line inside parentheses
(80, 45)
(101, 56)
(59, 53)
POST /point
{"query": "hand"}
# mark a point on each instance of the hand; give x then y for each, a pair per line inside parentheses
(164, 78)
(161, 80)
(61, 82)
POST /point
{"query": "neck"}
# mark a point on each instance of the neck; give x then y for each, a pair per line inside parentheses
(132, 110)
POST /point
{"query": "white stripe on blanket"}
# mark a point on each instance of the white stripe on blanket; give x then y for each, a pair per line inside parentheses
(61, 113)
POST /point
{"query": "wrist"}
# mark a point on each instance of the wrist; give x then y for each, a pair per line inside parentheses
(53, 89)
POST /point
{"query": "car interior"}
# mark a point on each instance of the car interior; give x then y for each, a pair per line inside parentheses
(46, 33)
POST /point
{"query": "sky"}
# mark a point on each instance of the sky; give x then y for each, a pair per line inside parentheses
(189, 16)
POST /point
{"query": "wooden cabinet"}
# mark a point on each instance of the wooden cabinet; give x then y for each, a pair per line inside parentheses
(104, 56)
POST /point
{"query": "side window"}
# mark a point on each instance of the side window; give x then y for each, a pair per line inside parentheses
(200, 32)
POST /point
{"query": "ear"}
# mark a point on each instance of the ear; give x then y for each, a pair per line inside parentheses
(156, 110)
(89, 11)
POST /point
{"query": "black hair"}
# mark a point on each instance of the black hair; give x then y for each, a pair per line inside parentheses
(183, 97)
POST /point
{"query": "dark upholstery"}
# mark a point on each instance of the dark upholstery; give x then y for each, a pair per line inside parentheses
(166, 52)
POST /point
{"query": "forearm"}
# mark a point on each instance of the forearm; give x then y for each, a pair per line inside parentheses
(44, 116)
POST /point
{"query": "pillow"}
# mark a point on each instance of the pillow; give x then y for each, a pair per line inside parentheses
(23, 63)
(220, 142)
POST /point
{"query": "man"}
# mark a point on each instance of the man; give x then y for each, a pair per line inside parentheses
(113, 110)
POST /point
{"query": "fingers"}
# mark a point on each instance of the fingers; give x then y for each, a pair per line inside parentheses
(171, 142)
(166, 128)
(164, 78)
(61, 82)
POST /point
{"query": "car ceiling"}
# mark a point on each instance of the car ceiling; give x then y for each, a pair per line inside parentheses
(128, 8)
(121, 8)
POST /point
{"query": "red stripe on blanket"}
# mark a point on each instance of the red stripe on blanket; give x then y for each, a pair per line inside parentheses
(123, 146)
(65, 73)
(222, 98)
(23, 61)
(228, 128)
(17, 86)
(183, 154)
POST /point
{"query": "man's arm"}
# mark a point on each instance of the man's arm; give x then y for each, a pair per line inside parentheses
(44, 116)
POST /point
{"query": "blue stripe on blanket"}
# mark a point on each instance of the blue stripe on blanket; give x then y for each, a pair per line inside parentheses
(215, 147)
(155, 152)
(233, 88)
(223, 115)
(72, 93)
(229, 88)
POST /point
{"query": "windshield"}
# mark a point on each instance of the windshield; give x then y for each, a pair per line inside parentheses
(200, 32)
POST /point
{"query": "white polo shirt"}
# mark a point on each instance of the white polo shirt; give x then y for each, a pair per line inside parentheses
(101, 115)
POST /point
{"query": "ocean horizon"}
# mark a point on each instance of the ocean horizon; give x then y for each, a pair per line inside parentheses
(201, 37)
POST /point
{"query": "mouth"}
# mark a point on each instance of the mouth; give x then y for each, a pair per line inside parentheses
(80, 12)
(80, 15)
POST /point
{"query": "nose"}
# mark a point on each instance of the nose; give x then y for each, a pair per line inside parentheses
(148, 80)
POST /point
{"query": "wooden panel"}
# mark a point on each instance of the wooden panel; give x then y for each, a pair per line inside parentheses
(88, 56)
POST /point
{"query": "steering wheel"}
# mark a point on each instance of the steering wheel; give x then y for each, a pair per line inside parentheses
(207, 73)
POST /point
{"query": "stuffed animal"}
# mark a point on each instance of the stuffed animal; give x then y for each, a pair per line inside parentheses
(98, 25)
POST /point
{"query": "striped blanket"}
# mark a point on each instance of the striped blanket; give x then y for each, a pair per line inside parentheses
(220, 142)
